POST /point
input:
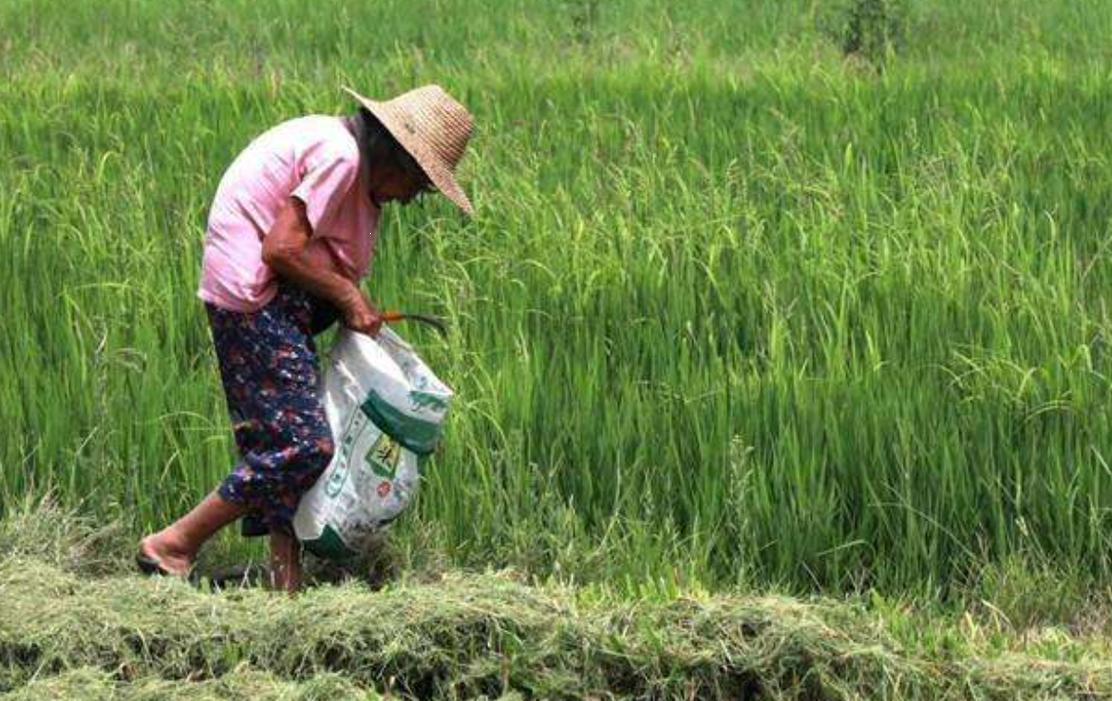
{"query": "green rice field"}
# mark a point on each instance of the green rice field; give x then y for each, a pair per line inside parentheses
(799, 298)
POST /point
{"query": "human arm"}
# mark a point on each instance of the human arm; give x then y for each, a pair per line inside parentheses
(285, 252)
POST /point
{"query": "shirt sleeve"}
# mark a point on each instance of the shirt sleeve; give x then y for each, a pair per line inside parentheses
(324, 186)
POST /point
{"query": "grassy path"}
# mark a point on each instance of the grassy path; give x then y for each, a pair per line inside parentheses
(74, 625)
(469, 635)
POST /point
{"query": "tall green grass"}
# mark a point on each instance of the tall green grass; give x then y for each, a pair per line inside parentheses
(733, 309)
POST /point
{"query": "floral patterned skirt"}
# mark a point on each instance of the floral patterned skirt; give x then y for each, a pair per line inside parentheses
(270, 372)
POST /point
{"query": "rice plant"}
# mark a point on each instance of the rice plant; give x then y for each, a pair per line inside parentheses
(730, 312)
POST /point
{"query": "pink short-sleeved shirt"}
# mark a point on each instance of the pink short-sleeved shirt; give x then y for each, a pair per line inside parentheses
(315, 159)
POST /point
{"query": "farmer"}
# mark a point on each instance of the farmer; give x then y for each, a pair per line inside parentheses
(291, 232)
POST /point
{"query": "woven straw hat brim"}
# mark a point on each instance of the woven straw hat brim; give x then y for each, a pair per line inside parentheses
(431, 127)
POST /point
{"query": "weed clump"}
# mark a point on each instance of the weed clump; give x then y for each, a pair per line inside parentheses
(868, 30)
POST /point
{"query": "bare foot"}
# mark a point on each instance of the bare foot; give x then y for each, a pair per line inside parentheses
(163, 548)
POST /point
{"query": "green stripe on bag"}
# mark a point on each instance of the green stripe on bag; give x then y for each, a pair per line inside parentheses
(414, 434)
(329, 546)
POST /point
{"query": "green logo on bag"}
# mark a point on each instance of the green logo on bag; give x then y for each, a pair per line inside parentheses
(424, 400)
(336, 480)
(339, 474)
(384, 456)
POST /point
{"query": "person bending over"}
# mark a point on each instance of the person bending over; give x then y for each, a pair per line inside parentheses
(290, 234)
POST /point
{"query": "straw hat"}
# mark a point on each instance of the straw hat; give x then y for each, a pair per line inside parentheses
(433, 128)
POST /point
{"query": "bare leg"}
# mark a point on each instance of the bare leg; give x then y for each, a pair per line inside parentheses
(176, 545)
(285, 562)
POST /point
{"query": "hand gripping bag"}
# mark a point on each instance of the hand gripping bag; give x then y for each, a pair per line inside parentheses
(386, 410)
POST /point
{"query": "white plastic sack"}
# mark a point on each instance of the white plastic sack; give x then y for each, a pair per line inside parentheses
(386, 409)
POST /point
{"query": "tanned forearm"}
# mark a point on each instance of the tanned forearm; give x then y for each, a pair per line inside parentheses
(285, 251)
(321, 282)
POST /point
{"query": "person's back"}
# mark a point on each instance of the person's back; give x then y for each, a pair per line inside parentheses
(314, 158)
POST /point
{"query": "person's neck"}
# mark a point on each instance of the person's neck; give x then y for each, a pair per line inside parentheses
(356, 124)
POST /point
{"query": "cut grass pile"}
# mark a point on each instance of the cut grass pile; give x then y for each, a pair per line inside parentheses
(66, 632)
(242, 683)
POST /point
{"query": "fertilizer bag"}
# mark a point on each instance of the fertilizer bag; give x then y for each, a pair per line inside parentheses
(386, 409)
